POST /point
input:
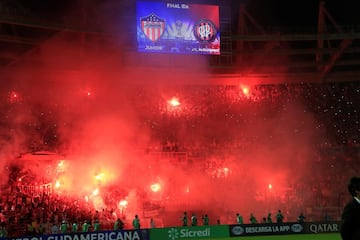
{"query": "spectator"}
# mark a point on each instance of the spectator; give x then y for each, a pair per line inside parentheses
(301, 218)
(205, 220)
(268, 218)
(74, 227)
(253, 219)
(193, 220)
(3, 232)
(96, 225)
(55, 229)
(119, 224)
(184, 219)
(279, 217)
(239, 219)
(64, 227)
(136, 222)
(85, 226)
(152, 223)
(350, 228)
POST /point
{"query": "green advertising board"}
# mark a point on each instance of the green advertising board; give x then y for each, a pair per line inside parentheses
(189, 233)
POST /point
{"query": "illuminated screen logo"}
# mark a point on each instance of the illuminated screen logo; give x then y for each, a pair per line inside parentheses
(205, 31)
(153, 27)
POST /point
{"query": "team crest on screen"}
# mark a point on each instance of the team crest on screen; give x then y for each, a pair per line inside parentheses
(205, 31)
(152, 26)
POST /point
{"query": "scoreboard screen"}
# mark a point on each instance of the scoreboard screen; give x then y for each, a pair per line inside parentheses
(166, 27)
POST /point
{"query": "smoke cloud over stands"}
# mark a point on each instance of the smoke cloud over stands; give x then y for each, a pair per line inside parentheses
(103, 126)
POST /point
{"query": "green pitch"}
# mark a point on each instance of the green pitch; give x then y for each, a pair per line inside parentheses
(322, 236)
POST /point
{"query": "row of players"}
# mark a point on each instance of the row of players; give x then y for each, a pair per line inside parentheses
(119, 224)
(279, 218)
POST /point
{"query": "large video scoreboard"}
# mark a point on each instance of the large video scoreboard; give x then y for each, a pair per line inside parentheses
(166, 27)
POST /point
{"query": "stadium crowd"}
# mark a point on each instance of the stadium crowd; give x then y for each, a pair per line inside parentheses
(334, 109)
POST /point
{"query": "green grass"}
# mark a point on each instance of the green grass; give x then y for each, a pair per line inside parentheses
(322, 236)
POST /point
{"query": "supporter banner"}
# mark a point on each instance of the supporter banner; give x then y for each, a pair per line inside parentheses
(322, 227)
(182, 233)
(142, 234)
(265, 229)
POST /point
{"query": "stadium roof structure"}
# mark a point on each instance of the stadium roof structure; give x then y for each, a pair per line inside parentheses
(326, 52)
